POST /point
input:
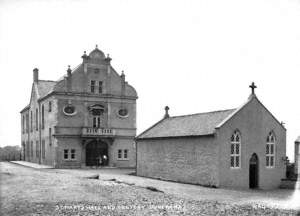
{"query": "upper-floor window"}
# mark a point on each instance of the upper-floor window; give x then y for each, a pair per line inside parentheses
(36, 120)
(270, 150)
(31, 121)
(235, 150)
(50, 136)
(97, 111)
(49, 106)
(27, 123)
(43, 116)
(93, 83)
(100, 87)
(23, 124)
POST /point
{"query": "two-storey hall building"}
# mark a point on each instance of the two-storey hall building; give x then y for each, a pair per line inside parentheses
(86, 118)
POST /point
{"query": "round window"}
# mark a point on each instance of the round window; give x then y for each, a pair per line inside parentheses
(123, 112)
(69, 110)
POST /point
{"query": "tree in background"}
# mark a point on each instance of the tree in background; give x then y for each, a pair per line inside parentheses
(10, 153)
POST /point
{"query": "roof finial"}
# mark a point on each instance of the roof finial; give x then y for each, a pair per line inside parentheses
(253, 87)
(96, 46)
(69, 71)
(167, 112)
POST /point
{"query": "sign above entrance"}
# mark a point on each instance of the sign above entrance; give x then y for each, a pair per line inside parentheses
(90, 131)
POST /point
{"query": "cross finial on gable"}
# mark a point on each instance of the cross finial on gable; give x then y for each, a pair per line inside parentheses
(167, 112)
(253, 87)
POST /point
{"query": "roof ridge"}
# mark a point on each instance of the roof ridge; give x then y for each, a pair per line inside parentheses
(202, 113)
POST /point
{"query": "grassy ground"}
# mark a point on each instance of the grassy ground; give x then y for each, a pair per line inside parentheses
(27, 191)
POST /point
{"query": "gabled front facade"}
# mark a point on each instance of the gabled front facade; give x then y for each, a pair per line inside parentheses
(86, 118)
(241, 148)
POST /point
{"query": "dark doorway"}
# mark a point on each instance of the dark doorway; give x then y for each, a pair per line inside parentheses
(96, 151)
(253, 171)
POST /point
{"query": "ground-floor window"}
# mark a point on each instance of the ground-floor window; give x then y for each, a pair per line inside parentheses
(43, 149)
(122, 154)
(69, 154)
(37, 149)
(31, 149)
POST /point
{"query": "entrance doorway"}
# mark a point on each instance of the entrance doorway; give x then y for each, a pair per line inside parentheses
(94, 151)
(253, 171)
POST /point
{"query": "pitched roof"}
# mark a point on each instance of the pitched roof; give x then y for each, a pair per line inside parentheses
(298, 139)
(44, 87)
(199, 124)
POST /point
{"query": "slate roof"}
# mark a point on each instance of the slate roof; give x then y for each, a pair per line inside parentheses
(44, 87)
(298, 139)
(188, 125)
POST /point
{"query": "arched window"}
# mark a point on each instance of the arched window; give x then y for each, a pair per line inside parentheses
(270, 150)
(235, 150)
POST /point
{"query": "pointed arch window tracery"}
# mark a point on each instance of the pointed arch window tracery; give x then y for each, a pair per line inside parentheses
(235, 150)
(270, 150)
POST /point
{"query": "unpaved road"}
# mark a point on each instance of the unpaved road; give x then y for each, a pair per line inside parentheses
(28, 191)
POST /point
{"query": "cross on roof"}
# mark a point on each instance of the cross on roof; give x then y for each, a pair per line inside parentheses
(253, 87)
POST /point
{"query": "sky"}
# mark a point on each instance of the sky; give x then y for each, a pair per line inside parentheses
(192, 55)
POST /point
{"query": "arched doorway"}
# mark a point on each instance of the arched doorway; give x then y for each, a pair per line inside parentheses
(253, 171)
(94, 150)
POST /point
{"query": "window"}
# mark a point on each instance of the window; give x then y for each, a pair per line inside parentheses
(43, 117)
(270, 151)
(69, 154)
(23, 124)
(299, 149)
(125, 153)
(100, 87)
(235, 150)
(27, 122)
(96, 121)
(36, 120)
(37, 150)
(31, 149)
(27, 149)
(50, 136)
(93, 86)
(31, 121)
(66, 154)
(97, 112)
(43, 149)
(49, 106)
(73, 154)
(122, 154)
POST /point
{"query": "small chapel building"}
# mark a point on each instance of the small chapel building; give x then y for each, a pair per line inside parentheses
(85, 118)
(241, 148)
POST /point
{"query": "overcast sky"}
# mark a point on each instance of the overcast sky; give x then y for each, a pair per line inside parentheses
(194, 56)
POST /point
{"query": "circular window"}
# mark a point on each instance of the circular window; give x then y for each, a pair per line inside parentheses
(69, 110)
(123, 112)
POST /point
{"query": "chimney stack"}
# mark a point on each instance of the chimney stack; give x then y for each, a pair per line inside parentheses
(35, 75)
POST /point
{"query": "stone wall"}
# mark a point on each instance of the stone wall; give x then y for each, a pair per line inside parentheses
(188, 160)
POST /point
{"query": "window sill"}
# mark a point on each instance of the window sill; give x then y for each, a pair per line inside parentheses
(235, 168)
(123, 159)
(70, 160)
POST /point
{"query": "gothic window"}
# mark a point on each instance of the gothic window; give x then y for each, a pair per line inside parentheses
(93, 86)
(270, 150)
(235, 150)
(100, 87)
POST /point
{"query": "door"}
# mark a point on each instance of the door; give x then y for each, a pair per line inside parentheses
(253, 171)
(94, 150)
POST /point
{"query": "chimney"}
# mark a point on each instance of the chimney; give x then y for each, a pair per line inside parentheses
(69, 71)
(35, 75)
(123, 83)
(167, 112)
